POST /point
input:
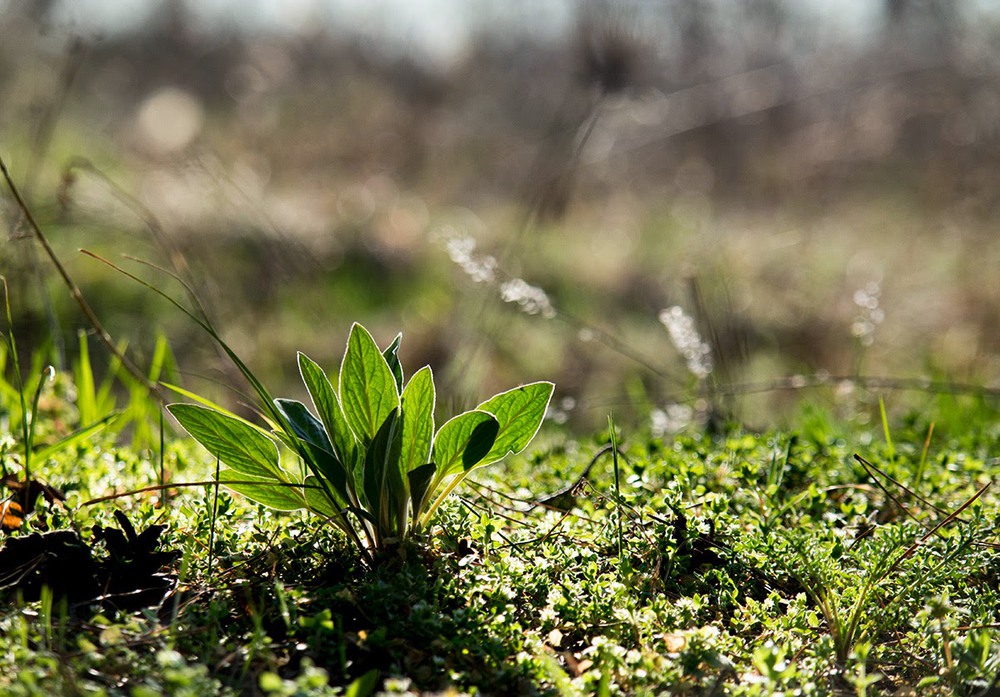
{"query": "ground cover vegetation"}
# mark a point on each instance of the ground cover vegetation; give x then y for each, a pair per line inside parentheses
(740, 562)
(766, 298)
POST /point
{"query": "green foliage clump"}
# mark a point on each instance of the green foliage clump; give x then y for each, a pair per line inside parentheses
(373, 461)
(740, 562)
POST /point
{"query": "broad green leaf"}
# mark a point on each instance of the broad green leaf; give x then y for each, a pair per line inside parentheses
(382, 484)
(363, 515)
(306, 426)
(318, 448)
(363, 686)
(420, 480)
(270, 492)
(317, 500)
(463, 441)
(368, 391)
(520, 412)
(334, 475)
(236, 443)
(324, 398)
(418, 421)
(391, 356)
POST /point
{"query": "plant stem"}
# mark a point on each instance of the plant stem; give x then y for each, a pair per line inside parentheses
(919, 474)
(885, 430)
(946, 641)
(211, 530)
(74, 289)
(618, 490)
(163, 476)
(48, 373)
(12, 344)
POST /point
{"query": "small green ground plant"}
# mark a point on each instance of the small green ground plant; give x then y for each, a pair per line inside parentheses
(372, 462)
(667, 579)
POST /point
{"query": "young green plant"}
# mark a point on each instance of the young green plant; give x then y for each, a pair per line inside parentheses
(372, 461)
(14, 399)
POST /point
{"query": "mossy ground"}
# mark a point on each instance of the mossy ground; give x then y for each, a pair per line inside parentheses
(733, 562)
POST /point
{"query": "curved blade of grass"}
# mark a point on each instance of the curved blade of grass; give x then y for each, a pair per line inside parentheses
(520, 412)
(76, 437)
(209, 404)
(263, 394)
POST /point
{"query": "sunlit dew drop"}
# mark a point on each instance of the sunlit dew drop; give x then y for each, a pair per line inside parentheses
(169, 120)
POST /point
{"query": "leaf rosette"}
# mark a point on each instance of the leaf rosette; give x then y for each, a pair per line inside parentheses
(372, 461)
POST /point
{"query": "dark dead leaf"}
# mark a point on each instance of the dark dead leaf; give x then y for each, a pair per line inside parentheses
(58, 559)
(129, 576)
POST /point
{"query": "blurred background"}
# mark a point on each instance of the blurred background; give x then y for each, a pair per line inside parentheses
(668, 207)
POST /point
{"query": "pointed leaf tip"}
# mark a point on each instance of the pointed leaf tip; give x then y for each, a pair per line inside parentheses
(368, 390)
(520, 412)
